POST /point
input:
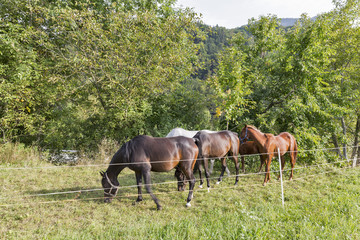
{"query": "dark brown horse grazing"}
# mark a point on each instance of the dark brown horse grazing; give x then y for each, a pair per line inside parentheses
(268, 143)
(248, 148)
(217, 145)
(143, 154)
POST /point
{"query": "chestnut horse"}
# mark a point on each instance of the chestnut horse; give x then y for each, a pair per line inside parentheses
(268, 144)
(248, 148)
(143, 154)
(217, 145)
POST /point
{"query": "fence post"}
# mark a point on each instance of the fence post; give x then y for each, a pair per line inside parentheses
(354, 162)
(281, 180)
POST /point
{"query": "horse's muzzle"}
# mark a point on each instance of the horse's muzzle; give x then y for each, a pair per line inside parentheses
(107, 200)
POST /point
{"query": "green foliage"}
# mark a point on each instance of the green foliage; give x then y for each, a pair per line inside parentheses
(298, 79)
(75, 72)
(81, 71)
(230, 86)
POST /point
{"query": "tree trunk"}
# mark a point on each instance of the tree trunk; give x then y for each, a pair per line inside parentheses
(336, 144)
(356, 138)
(344, 132)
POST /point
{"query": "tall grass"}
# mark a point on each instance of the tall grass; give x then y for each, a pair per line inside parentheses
(103, 154)
(17, 154)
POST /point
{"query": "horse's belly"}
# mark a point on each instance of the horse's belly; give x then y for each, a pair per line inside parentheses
(162, 166)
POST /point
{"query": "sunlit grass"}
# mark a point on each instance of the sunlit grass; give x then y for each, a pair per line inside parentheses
(317, 205)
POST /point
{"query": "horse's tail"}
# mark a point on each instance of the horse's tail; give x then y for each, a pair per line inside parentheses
(197, 141)
(235, 143)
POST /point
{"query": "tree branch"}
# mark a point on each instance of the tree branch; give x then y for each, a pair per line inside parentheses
(273, 103)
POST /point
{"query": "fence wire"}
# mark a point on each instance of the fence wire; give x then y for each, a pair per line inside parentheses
(154, 161)
(18, 198)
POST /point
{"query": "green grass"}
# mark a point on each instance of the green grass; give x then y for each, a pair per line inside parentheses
(318, 205)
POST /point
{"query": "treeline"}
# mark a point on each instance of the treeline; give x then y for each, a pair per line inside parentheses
(75, 72)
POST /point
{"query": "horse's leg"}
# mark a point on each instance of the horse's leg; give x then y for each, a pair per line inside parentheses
(262, 161)
(242, 163)
(206, 169)
(138, 182)
(223, 167)
(292, 161)
(212, 161)
(235, 159)
(147, 180)
(267, 169)
(200, 175)
(227, 171)
(282, 165)
(190, 176)
(268, 172)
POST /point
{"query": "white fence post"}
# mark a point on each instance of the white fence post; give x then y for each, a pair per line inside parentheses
(281, 180)
(354, 162)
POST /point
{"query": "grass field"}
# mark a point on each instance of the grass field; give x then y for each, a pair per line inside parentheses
(320, 203)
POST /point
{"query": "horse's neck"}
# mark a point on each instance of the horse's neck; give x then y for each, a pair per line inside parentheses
(257, 136)
(114, 170)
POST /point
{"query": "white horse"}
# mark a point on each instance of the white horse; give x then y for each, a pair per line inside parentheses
(186, 133)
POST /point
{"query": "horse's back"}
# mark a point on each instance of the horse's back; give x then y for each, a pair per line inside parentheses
(218, 143)
(186, 133)
(163, 154)
(181, 132)
(286, 142)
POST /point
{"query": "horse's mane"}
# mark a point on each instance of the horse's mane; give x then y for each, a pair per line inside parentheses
(123, 154)
(253, 127)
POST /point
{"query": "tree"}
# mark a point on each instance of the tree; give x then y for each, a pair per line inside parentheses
(299, 78)
(100, 65)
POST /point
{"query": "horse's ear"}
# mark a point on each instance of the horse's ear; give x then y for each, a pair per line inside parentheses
(102, 173)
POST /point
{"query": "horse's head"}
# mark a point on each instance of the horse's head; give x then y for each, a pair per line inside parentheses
(244, 134)
(110, 190)
(180, 176)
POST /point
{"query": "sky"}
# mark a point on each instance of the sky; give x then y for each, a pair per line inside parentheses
(235, 13)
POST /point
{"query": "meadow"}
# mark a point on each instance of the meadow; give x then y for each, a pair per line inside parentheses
(322, 202)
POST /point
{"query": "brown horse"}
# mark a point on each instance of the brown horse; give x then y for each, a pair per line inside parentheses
(248, 148)
(268, 144)
(143, 154)
(217, 145)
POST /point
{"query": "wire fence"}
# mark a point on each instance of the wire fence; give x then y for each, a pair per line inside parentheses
(16, 199)
(170, 160)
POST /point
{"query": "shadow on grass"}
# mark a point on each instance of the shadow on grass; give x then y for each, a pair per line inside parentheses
(95, 194)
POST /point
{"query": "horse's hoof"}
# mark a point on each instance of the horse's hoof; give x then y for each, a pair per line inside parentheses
(200, 186)
(159, 208)
(188, 204)
(218, 182)
(208, 190)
